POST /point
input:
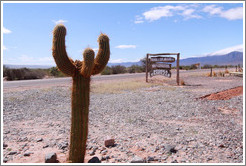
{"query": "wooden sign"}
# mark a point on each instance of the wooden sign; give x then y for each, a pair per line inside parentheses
(164, 72)
(162, 59)
(155, 68)
(161, 66)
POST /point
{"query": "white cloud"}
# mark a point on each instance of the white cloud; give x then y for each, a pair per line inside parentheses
(4, 48)
(125, 46)
(6, 31)
(156, 13)
(59, 21)
(230, 14)
(123, 60)
(29, 60)
(116, 61)
(162, 11)
(95, 49)
(233, 14)
(189, 13)
(228, 50)
(212, 9)
(138, 20)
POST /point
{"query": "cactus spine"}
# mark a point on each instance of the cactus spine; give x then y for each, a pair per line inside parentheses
(80, 71)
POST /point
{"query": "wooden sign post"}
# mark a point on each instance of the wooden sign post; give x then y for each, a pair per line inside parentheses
(158, 65)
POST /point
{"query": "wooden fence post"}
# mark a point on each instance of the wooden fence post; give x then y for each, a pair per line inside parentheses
(146, 67)
(177, 79)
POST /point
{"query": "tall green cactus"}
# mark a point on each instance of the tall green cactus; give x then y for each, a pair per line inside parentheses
(81, 72)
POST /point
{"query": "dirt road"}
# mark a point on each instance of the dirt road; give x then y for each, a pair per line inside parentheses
(7, 85)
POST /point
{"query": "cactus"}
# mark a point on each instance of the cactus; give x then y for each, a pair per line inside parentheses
(80, 71)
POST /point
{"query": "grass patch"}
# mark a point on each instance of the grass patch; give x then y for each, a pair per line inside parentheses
(118, 86)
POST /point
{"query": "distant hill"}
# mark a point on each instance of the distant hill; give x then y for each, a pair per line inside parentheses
(232, 58)
(28, 66)
(126, 64)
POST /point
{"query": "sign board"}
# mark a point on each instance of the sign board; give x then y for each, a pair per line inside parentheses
(164, 72)
(154, 65)
(162, 59)
(161, 66)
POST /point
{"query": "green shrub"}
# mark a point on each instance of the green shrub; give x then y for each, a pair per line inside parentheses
(107, 71)
(54, 71)
(135, 69)
(23, 74)
(118, 69)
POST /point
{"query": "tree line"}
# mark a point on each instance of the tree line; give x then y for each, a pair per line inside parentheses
(26, 73)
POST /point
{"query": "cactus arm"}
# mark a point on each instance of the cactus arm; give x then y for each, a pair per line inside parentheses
(103, 54)
(63, 62)
(88, 63)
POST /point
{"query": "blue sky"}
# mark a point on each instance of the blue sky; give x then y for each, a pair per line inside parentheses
(134, 29)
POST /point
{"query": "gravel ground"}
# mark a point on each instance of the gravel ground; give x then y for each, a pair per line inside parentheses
(164, 124)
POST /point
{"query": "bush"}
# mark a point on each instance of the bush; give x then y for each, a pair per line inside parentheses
(5, 69)
(207, 66)
(221, 74)
(182, 82)
(118, 69)
(23, 74)
(107, 71)
(143, 64)
(214, 74)
(54, 71)
(135, 69)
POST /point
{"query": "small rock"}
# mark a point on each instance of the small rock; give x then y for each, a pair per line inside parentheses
(6, 132)
(45, 146)
(104, 152)
(156, 148)
(91, 153)
(137, 159)
(150, 158)
(209, 158)
(39, 139)
(94, 160)
(221, 146)
(164, 157)
(5, 160)
(51, 158)
(174, 161)
(12, 153)
(170, 148)
(63, 145)
(95, 148)
(183, 161)
(28, 153)
(22, 139)
(103, 158)
(109, 142)
(5, 145)
(117, 160)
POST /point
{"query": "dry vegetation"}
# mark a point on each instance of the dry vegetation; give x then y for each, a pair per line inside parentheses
(118, 86)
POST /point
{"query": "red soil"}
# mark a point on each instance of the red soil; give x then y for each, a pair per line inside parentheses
(225, 95)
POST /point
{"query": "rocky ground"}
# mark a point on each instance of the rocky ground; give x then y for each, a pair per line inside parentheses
(161, 124)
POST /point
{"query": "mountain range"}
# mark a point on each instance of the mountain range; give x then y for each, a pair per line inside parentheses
(232, 58)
